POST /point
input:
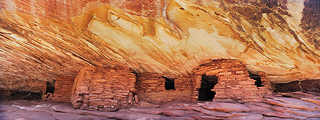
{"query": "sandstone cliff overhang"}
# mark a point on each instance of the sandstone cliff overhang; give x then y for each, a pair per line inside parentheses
(42, 40)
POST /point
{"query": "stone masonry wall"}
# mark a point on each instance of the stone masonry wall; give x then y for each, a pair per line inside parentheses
(103, 88)
(267, 86)
(151, 88)
(63, 89)
(233, 81)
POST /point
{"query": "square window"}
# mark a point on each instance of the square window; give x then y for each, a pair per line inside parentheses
(169, 83)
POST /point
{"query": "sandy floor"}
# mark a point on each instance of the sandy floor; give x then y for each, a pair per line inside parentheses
(284, 106)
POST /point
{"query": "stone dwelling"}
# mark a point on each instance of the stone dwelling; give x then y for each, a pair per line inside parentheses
(110, 88)
(218, 79)
(103, 88)
(228, 79)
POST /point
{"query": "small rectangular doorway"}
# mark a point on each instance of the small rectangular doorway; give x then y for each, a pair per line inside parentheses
(50, 87)
(207, 83)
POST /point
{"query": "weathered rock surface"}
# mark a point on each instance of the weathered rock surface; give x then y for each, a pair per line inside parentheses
(42, 40)
(38, 110)
(306, 85)
(225, 107)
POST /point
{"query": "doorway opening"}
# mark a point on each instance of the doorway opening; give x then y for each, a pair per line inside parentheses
(207, 83)
(257, 79)
(50, 87)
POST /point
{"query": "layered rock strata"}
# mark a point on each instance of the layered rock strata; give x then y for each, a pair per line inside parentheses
(42, 40)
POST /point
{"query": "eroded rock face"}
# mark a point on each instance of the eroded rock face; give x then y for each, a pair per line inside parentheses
(42, 40)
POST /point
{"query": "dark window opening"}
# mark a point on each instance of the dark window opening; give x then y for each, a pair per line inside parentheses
(207, 83)
(169, 83)
(257, 79)
(50, 87)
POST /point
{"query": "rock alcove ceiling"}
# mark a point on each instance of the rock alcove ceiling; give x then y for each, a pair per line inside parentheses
(41, 40)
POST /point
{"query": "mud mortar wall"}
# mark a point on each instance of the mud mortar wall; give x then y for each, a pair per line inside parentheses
(151, 88)
(63, 89)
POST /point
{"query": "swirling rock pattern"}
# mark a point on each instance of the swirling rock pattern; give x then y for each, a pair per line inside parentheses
(44, 39)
